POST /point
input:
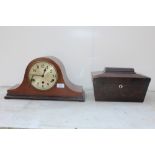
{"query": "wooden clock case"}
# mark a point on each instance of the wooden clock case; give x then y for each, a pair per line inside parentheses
(69, 92)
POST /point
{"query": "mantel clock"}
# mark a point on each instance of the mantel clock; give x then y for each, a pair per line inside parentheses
(45, 79)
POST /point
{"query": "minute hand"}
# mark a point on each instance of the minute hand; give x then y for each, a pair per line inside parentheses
(44, 73)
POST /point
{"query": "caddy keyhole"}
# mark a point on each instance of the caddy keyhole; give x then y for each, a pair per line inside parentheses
(120, 86)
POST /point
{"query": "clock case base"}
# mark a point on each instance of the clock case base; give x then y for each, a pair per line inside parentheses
(25, 90)
(60, 98)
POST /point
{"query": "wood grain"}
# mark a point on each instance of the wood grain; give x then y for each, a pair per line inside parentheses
(26, 91)
(120, 85)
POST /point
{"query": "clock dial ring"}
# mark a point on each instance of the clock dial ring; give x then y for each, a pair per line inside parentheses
(43, 75)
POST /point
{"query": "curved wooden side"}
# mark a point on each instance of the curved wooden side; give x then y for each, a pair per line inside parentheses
(26, 91)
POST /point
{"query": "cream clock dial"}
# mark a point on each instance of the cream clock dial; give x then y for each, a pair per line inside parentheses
(43, 76)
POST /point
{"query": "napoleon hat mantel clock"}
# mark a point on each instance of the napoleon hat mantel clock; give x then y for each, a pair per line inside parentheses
(46, 79)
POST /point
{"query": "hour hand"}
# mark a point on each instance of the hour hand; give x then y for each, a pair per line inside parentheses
(35, 75)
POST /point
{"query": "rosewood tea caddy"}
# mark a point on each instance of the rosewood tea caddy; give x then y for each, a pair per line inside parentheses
(120, 84)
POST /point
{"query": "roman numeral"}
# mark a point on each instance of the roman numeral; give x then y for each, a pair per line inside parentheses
(42, 66)
(52, 80)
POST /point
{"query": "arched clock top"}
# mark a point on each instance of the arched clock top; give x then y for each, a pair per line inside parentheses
(46, 78)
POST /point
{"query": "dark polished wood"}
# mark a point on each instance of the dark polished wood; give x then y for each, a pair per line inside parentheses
(119, 70)
(70, 92)
(120, 84)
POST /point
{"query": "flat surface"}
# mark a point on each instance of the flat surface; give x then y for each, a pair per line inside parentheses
(89, 114)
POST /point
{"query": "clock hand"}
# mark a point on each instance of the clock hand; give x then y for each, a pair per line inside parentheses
(39, 75)
(35, 75)
(44, 72)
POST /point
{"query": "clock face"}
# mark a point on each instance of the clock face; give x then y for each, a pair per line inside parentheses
(43, 76)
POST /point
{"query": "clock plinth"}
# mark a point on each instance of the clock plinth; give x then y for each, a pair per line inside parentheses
(62, 88)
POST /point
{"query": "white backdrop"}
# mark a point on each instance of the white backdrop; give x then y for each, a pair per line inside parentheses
(81, 49)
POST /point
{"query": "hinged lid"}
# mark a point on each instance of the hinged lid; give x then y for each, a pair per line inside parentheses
(117, 73)
(119, 70)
